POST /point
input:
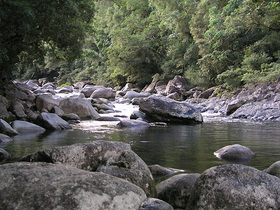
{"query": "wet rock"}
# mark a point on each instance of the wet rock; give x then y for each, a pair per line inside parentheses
(274, 169)
(133, 124)
(7, 129)
(235, 153)
(115, 158)
(4, 138)
(155, 204)
(103, 93)
(4, 155)
(70, 117)
(80, 106)
(64, 187)
(138, 115)
(27, 127)
(51, 121)
(57, 111)
(176, 190)
(163, 109)
(235, 186)
(107, 118)
(46, 102)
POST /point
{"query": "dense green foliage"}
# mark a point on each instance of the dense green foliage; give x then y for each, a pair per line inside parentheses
(210, 42)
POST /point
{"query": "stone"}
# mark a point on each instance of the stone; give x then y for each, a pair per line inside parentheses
(65, 89)
(114, 158)
(155, 204)
(7, 129)
(133, 94)
(176, 189)
(4, 155)
(4, 138)
(233, 106)
(27, 127)
(80, 106)
(57, 186)
(129, 166)
(46, 101)
(51, 121)
(4, 104)
(274, 169)
(70, 117)
(108, 93)
(108, 118)
(163, 109)
(207, 93)
(57, 111)
(89, 89)
(235, 186)
(133, 124)
(235, 153)
(18, 109)
(160, 171)
(177, 84)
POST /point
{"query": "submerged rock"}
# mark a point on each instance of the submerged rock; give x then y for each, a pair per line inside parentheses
(235, 186)
(235, 153)
(163, 109)
(57, 186)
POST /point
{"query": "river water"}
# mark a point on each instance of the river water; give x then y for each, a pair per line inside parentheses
(188, 147)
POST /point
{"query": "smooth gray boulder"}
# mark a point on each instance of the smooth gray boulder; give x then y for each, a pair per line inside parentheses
(159, 172)
(114, 158)
(163, 109)
(155, 204)
(80, 106)
(5, 128)
(235, 152)
(4, 155)
(133, 94)
(27, 127)
(176, 190)
(51, 121)
(235, 186)
(57, 186)
(103, 93)
(274, 169)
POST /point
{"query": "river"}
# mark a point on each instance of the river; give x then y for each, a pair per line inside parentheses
(188, 147)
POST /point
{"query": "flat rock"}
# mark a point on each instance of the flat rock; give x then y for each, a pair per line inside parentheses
(5, 128)
(26, 127)
(51, 121)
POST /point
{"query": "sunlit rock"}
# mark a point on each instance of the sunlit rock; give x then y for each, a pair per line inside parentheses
(51, 121)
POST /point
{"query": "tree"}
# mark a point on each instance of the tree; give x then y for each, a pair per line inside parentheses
(30, 29)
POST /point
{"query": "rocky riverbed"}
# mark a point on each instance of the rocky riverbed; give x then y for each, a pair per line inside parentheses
(109, 175)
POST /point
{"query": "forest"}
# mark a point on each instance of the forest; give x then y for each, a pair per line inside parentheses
(113, 42)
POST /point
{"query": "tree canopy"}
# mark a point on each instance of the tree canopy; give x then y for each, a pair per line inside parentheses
(211, 42)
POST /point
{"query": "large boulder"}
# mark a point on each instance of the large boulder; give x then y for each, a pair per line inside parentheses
(51, 121)
(46, 102)
(161, 108)
(89, 89)
(176, 190)
(80, 106)
(178, 84)
(4, 155)
(57, 186)
(114, 158)
(133, 94)
(6, 128)
(235, 153)
(4, 104)
(235, 186)
(27, 127)
(103, 93)
(4, 138)
(18, 109)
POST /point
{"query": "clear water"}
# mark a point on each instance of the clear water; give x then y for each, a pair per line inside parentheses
(188, 147)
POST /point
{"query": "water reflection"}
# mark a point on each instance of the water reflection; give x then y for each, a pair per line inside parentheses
(178, 146)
